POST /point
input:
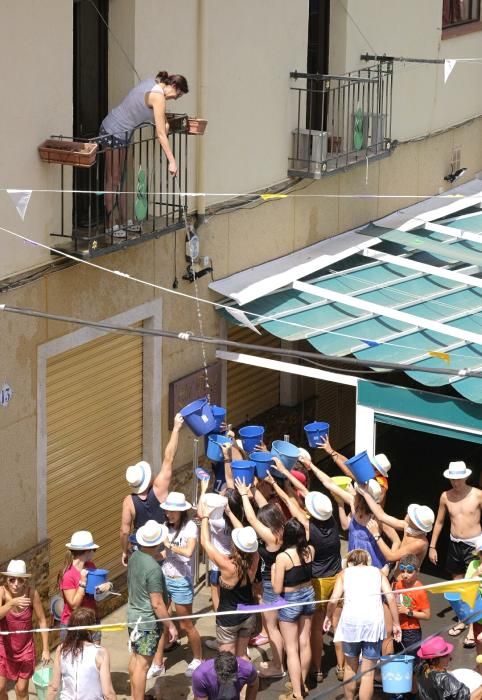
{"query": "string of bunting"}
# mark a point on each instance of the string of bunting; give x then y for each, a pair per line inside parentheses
(237, 313)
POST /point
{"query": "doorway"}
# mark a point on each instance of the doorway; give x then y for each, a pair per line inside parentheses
(89, 88)
(317, 62)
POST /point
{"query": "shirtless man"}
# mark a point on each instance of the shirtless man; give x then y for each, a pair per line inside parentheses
(463, 504)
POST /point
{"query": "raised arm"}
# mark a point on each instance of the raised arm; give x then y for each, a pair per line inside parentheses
(437, 528)
(338, 458)
(295, 510)
(261, 530)
(227, 450)
(288, 475)
(127, 518)
(162, 481)
(329, 485)
(378, 511)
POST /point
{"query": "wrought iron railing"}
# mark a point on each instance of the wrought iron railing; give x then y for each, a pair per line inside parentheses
(102, 211)
(342, 119)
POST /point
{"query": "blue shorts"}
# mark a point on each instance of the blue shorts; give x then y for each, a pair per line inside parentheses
(269, 596)
(214, 575)
(368, 650)
(305, 595)
(180, 590)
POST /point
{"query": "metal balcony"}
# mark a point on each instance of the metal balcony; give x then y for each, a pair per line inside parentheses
(86, 230)
(342, 119)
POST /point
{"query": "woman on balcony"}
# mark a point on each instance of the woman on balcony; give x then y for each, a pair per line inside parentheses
(144, 103)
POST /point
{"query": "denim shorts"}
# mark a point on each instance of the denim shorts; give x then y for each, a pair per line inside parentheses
(180, 590)
(305, 595)
(368, 650)
(269, 596)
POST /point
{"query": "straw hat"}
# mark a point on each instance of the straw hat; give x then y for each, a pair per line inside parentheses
(381, 464)
(175, 501)
(81, 540)
(318, 505)
(421, 516)
(435, 647)
(457, 470)
(245, 539)
(17, 568)
(139, 476)
(151, 534)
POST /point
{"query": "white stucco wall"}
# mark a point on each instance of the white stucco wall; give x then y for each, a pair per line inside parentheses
(422, 103)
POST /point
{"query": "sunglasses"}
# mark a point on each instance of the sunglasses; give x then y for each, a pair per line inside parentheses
(409, 568)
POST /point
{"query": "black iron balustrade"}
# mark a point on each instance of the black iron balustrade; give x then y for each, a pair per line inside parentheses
(342, 119)
(147, 203)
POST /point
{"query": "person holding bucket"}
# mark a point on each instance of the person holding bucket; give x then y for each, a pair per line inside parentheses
(237, 573)
(19, 602)
(73, 578)
(434, 680)
(81, 667)
(179, 547)
(361, 628)
(269, 523)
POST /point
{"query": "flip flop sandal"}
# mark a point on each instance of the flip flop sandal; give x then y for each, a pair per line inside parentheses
(456, 630)
(469, 643)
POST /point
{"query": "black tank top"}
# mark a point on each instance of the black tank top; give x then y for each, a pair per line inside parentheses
(230, 598)
(325, 538)
(267, 560)
(298, 574)
(147, 509)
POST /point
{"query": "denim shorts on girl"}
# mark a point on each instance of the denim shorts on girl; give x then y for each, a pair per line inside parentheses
(269, 596)
(369, 650)
(180, 590)
(306, 596)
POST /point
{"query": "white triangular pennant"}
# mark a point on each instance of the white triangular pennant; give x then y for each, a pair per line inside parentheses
(242, 318)
(20, 198)
(449, 65)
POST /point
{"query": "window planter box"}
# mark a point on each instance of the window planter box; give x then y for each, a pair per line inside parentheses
(196, 125)
(63, 152)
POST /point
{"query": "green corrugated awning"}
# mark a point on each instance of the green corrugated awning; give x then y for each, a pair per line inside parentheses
(444, 314)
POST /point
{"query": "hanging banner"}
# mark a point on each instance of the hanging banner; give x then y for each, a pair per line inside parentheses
(449, 65)
(20, 198)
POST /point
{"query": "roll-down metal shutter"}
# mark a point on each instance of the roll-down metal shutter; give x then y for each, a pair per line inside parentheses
(94, 431)
(250, 390)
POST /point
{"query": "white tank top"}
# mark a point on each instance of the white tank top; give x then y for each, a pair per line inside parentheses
(132, 111)
(362, 615)
(80, 676)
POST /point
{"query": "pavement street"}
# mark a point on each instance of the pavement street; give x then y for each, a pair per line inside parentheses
(175, 685)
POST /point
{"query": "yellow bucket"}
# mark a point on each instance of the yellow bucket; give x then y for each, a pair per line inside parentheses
(342, 481)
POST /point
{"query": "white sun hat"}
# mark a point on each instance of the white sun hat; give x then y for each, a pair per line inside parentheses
(381, 464)
(216, 504)
(81, 540)
(375, 490)
(304, 454)
(318, 505)
(245, 539)
(17, 568)
(422, 517)
(457, 470)
(139, 476)
(151, 534)
(176, 501)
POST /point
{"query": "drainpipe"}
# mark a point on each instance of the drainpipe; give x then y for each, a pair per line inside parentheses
(201, 106)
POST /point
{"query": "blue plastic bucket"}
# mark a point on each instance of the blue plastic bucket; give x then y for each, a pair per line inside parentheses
(214, 451)
(361, 467)
(41, 679)
(243, 469)
(262, 462)
(462, 610)
(397, 674)
(219, 414)
(286, 452)
(251, 436)
(199, 417)
(316, 432)
(95, 577)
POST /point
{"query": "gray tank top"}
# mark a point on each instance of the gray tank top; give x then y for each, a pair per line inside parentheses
(132, 111)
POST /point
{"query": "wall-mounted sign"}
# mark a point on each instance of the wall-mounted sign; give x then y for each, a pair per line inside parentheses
(6, 394)
(192, 387)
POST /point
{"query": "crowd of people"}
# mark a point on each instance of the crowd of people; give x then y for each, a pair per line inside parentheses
(273, 539)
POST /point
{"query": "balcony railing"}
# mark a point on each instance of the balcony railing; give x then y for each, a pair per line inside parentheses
(342, 119)
(98, 216)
